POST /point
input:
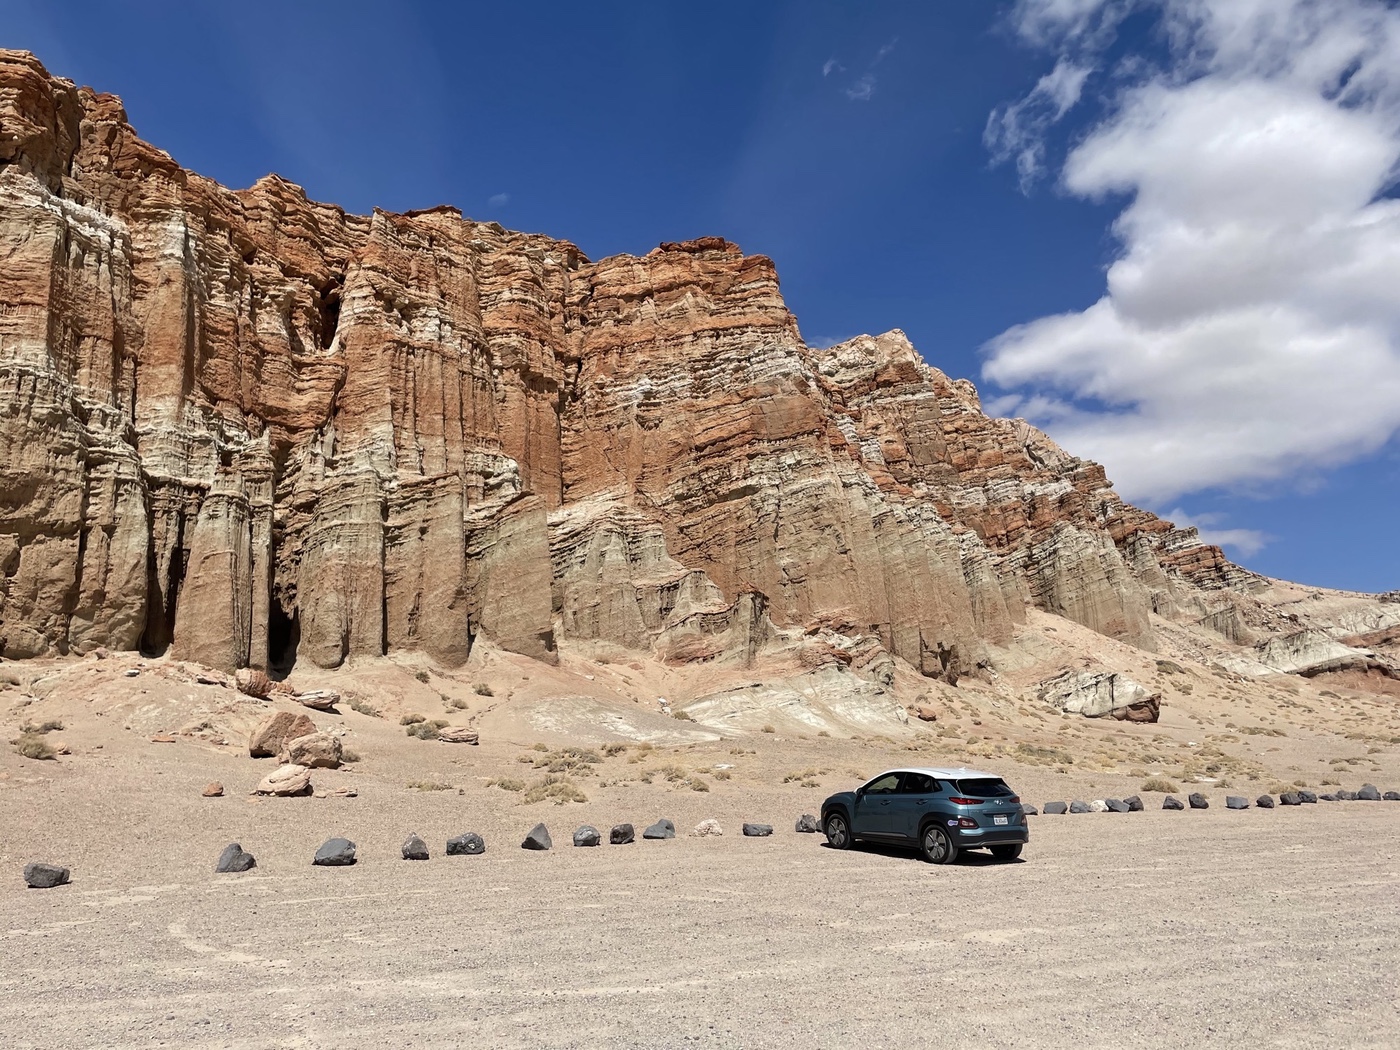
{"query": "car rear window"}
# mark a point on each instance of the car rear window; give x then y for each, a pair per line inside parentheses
(984, 787)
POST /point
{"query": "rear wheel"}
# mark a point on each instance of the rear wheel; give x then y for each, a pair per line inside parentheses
(937, 845)
(1008, 852)
(838, 831)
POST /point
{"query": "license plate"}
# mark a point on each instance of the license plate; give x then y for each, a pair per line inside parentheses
(1000, 820)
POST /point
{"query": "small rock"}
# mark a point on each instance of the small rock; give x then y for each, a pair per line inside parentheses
(662, 829)
(131, 672)
(1098, 806)
(1055, 809)
(207, 677)
(457, 735)
(1369, 793)
(808, 824)
(1327, 798)
(318, 699)
(468, 845)
(252, 683)
(101, 653)
(1028, 810)
(1172, 802)
(622, 834)
(276, 731)
(162, 738)
(414, 848)
(286, 781)
(1117, 805)
(40, 876)
(233, 859)
(1134, 804)
(1079, 807)
(758, 831)
(923, 712)
(1392, 796)
(1198, 801)
(335, 853)
(213, 789)
(1265, 801)
(538, 838)
(587, 835)
(315, 751)
(1308, 797)
(1236, 802)
(707, 828)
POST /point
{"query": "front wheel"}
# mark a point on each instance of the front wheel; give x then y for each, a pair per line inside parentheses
(937, 846)
(838, 832)
(1008, 852)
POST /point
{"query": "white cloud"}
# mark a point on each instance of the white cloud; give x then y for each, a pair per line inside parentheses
(1249, 332)
(1245, 542)
(830, 66)
(884, 51)
(1017, 129)
(863, 90)
(497, 200)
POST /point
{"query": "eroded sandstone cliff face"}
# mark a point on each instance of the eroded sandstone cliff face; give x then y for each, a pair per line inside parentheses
(253, 429)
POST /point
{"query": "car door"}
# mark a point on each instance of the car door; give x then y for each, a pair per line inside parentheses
(874, 815)
(911, 803)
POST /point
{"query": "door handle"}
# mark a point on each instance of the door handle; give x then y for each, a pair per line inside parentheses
(920, 802)
(886, 803)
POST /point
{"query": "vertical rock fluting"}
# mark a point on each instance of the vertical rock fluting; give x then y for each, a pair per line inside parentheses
(255, 429)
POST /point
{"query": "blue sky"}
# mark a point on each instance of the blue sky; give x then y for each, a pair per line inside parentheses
(963, 170)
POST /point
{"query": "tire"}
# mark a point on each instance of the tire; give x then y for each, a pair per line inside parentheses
(1009, 851)
(937, 845)
(838, 832)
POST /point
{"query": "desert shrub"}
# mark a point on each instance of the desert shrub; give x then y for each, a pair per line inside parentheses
(1161, 784)
(429, 785)
(1034, 754)
(457, 703)
(696, 784)
(423, 731)
(348, 755)
(422, 676)
(482, 689)
(356, 704)
(804, 775)
(569, 760)
(769, 729)
(822, 732)
(31, 745)
(556, 789)
(50, 726)
(721, 774)
(684, 716)
(408, 720)
(541, 747)
(614, 749)
(507, 784)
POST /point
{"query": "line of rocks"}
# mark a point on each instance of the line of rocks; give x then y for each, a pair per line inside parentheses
(1196, 800)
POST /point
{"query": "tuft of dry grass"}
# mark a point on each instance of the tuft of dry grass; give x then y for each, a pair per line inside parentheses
(31, 745)
(429, 785)
(348, 755)
(52, 725)
(554, 788)
(1161, 784)
(507, 784)
(423, 730)
(422, 676)
(482, 689)
(356, 704)
(768, 729)
(408, 720)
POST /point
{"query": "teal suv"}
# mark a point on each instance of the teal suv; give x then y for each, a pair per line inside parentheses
(940, 811)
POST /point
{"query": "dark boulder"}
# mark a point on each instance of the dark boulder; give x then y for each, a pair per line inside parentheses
(1198, 801)
(1265, 801)
(1078, 807)
(758, 831)
(1290, 798)
(1346, 796)
(1369, 793)
(1172, 802)
(469, 844)
(1134, 804)
(538, 839)
(1055, 809)
(335, 853)
(808, 824)
(41, 876)
(1308, 797)
(622, 834)
(1329, 797)
(1392, 796)
(1236, 802)
(662, 829)
(1117, 805)
(587, 836)
(414, 848)
(1028, 810)
(233, 859)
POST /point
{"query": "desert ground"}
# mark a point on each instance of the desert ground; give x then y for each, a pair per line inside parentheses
(1197, 928)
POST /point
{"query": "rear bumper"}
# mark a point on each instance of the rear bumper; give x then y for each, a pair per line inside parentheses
(976, 838)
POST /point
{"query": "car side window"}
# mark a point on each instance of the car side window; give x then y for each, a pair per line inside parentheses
(918, 784)
(886, 785)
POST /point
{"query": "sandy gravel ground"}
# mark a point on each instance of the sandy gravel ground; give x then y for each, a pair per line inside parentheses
(1203, 929)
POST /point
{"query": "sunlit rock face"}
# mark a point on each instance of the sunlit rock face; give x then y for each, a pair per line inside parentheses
(250, 429)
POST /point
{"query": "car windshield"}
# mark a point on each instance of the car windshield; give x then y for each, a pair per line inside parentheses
(984, 787)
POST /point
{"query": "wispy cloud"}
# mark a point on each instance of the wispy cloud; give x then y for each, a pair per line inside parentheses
(863, 90)
(884, 51)
(497, 200)
(1245, 542)
(1017, 130)
(832, 66)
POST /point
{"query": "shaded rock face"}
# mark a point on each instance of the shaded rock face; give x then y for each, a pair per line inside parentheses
(254, 429)
(1098, 694)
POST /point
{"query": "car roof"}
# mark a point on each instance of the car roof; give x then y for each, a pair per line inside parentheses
(950, 773)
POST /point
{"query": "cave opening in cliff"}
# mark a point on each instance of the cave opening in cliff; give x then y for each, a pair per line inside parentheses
(283, 636)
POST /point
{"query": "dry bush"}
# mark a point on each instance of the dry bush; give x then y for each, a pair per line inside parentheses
(768, 729)
(614, 749)
(423, 731)
(684, 716)
(31, 745)
(422, 676)
(482, 689)
(356, 704)
(50, 726)
(1161, 784)
(507, 784)
(429, 785)
(408, 720)
(556, 789)
(347, 755)
(721, 774)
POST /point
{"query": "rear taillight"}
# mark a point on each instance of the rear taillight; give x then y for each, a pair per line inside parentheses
(1015, 800)
(955, 800)
(966, 822)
